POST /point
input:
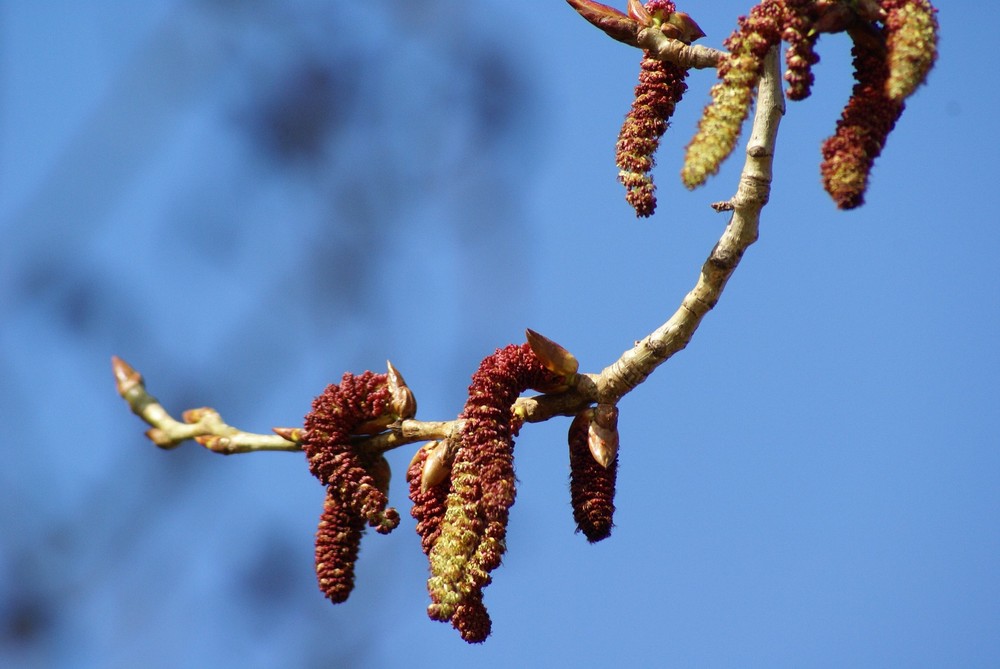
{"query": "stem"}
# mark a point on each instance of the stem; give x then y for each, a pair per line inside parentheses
(621, 377)
(636, 364)
(693, 56)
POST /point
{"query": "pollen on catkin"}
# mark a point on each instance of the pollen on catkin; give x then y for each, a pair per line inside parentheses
(661, 87)
(721, 122)
(801, 54)
(473, 530)
(911, 32)
(862, 130)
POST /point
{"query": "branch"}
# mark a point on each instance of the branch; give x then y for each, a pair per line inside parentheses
(206, 426)
(636, 364)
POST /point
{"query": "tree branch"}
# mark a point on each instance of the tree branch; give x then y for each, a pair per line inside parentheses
(635, 365)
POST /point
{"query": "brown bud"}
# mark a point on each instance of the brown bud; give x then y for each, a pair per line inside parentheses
(192, 416)
(403, 403)
(615, 24)
(638, 12)
(292, 434)
(689, 30)
(160, 438)
(602, 435)
(438, 464)
(126, 378)
(553, 357)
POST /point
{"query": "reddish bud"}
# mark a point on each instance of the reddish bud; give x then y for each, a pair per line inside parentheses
(637, 11)
(126, 378)
(292, 434)
(615, 24)
(688, 29)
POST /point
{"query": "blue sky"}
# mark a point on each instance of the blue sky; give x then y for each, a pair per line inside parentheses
(245, 200)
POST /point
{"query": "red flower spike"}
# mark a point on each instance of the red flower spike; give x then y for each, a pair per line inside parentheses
(801, 54)
(473, 532)
(428, 504)
(338, 540)
(356, 483)
(911, 31)
(591, 485)
(722, 120)
(615, 24)
(335, 416)
(862, 130)
(472, 620)
(661, 87)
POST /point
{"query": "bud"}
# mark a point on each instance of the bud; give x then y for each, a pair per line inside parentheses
(602, 434)
(637, 11)
(437, 466)
(687, 30)
(192, 416)
(126, 378)
(615, 24)
(292, 434)
(553, 357)
(403, 403)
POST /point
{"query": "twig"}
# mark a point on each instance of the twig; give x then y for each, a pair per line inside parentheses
(665, 48)
(635, 365)
(203, 425)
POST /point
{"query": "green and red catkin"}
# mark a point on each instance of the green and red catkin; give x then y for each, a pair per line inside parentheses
(661, 86)
(472, 532)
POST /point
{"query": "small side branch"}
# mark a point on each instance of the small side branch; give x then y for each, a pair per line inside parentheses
(203, 425)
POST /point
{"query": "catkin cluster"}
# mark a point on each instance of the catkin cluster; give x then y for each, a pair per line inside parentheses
(895, 45)
(356, 482)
